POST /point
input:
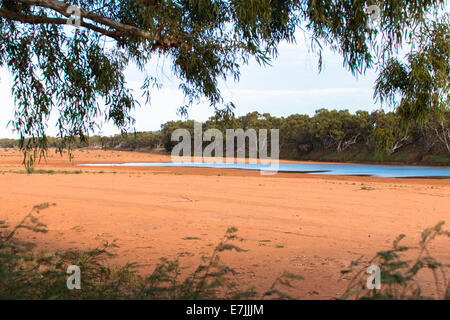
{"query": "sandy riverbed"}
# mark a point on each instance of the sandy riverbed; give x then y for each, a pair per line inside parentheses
(309, 225)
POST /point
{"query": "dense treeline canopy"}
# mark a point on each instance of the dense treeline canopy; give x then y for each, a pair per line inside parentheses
(80, 73)
(331, 131)
(334, 135)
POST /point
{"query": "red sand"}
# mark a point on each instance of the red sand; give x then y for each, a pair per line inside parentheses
(313, 225)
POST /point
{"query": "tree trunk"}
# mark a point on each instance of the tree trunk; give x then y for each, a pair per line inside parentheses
(400, 143)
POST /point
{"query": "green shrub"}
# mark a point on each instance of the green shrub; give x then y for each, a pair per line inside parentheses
(399, 274)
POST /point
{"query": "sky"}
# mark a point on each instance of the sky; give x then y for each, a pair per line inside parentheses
(291, 85)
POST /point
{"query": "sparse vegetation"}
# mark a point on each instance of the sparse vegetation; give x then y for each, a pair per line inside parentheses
(400, 273)
(28, 274)
(33, 171)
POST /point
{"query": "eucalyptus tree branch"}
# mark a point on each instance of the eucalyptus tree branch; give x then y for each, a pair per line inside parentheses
(118, 29)
(43, 19)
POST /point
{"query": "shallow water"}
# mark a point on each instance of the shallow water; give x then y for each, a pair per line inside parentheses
(330, 169)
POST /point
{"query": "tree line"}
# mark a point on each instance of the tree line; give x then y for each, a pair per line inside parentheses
(337, 132)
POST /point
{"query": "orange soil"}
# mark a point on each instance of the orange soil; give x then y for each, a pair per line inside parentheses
(313, 225)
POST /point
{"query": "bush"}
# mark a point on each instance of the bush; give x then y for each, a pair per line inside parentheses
(399, 275)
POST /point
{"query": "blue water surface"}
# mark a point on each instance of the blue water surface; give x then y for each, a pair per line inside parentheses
(383, 171)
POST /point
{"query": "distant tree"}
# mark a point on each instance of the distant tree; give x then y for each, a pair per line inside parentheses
(438, 128)
(169, 127)
(339, 129)
(389, 134)
(296, 134)
(81, 73)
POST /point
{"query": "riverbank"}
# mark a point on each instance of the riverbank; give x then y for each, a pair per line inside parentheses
(410, 158)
